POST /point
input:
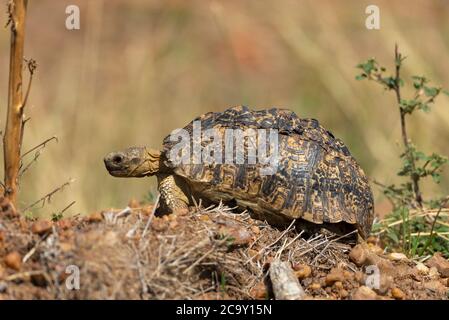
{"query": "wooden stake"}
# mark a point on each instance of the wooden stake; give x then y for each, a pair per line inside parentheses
(14, 118)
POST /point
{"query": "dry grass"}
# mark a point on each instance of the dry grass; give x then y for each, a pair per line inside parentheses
(208, 253)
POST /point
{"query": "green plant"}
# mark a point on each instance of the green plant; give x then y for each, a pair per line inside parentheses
(413, 225)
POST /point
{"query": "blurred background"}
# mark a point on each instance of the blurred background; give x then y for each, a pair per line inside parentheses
(139, 68)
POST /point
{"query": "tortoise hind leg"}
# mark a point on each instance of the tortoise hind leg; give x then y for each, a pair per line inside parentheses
(173, 197)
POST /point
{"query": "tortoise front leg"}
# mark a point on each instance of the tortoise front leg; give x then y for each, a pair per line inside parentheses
(173, 198)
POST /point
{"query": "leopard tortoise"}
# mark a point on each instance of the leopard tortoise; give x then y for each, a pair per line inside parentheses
(315, 181)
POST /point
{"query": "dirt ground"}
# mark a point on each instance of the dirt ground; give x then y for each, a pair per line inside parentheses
(203, 253)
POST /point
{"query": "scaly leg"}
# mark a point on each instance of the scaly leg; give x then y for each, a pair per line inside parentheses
(173, 198)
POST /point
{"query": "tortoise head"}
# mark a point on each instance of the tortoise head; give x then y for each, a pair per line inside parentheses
(133, 162)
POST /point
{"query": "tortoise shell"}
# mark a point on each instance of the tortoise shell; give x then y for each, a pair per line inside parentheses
(316, 178)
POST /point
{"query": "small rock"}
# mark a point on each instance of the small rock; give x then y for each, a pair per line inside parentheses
(259, 291)
(255, 230)
(338, 285)
(375, 249)
(433, 273)
(173, 224)
(147, 210)
(237, 235)
(133, 203)
(373, 240)
(336, 274)
(39, 280)
(344, 293)
(315, 286)
(302, 271)
(358, 255)
(422, 268)
(440, 263)
(385, 266)
(3, 287)
(2, 272)
(364, 293)
(64, 224)
(397, 293)
(360, 277)
(159, 224)
(13, 260)
(205, 217)
(94, 217)
(385, 283)
(397, 256)
(66, 246)
(435, 286)
(41, 227)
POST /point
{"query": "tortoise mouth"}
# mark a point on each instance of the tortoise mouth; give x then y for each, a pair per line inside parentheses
(115, 165)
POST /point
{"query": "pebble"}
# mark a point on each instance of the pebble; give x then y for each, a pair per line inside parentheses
(259, 291)
(358, 255)
(336, 274)
(13, 260)
(237, 235)
(64, 224)
(95, 217)
(315, 286)
(364, 293)
(338, 285)
(397, 256)
(133, 203)
(41, 227)
(433, 273)
(440, 263)
(302, 271)
(159, 224)
(436, 286)
(422, 268)
(397, 293)
(344, 293)
(375, 249)
(255, 230)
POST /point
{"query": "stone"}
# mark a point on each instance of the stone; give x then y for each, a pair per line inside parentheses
(302, 271)
(41, 227)
(94, 217)
(397, 256)
(364, 293)
(440, 263)
(237, 235)
(422, 268)
(314, 286)
(13, 260)
(358, 255)
(397, 293)
(259, 291)
(336, 274)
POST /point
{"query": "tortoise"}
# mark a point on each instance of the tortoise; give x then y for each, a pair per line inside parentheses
(315, 180)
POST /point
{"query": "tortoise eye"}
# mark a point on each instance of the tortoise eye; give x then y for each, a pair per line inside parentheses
(135, 160)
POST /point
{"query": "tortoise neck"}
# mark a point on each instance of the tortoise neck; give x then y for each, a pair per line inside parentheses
(156, 162)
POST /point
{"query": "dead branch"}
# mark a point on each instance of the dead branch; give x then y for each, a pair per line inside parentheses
(48, 196)
(14, 118)
(40, 145)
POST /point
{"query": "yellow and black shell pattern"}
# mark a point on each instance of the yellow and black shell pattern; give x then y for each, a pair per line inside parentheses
(316, 178)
